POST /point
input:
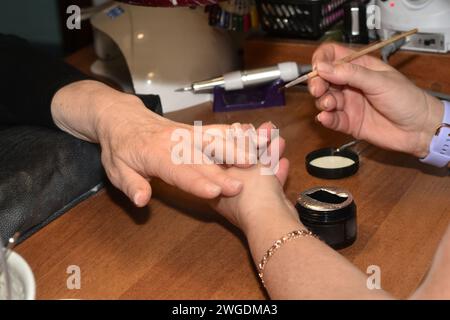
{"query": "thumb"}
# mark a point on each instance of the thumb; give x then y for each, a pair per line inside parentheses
(132, 184)
(353, 75)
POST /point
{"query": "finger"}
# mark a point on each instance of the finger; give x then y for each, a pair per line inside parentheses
(266, 132)
(283, 171)
(214, 173)
(225, 130)
(232, 145)
(131, 183)
(332, 100)
(274, 150)
(267, 126)
(325, 53)
(339, 98)
(356, 76)
(186, 178)
(336, 120)
(330, 52)
(317, 86)
(245, 145)
(279, 143)
(270, 158)
(238, 151)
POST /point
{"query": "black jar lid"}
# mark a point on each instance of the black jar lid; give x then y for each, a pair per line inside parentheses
(331, 163)
(323, 205)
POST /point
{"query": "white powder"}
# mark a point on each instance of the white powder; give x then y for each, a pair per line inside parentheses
(332, 162)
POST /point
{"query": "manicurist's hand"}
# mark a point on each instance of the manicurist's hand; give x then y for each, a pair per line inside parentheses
(374, 102)
(137, 143)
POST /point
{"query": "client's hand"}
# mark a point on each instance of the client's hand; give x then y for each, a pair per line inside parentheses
(374, 102)
(137, 144)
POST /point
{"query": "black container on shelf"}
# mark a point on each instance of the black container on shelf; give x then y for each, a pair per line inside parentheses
(307, 19)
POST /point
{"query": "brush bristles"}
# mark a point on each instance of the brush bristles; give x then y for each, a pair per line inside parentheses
(297, 81)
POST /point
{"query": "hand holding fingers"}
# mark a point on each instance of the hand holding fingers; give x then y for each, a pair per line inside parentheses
(327, 53)
(242, 208)
(330, 54)
(143, 147)
(231, 144)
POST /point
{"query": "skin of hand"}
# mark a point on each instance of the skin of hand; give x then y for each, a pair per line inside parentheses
(373, 102)
(259, 193)
(436, 284)
(264, 214)
(306, 268)
(136, 143)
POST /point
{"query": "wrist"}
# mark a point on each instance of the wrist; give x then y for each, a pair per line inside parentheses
(268, 214)
(434, 119)
(115, 110)
(75, 107)
(270, 226)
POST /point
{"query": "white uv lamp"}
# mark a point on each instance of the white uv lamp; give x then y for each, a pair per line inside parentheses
(162, 49)
(431, 17)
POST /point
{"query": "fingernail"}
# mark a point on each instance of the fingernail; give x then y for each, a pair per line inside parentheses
(262, 141)
(325, 67)
(214, 189)
(137, 198)
(235, 184)
(273, 125)
(236, 126)
(254, 138)
(326, 103)
(318, 118)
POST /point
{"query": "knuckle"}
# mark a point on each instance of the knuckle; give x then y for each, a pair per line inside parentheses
(350, 68)
(172, 176)
(113, 175)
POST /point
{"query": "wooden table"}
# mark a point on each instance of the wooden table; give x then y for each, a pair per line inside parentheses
(177, 248)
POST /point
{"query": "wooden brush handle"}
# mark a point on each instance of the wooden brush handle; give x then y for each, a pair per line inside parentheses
(376, 46)
(369, 49)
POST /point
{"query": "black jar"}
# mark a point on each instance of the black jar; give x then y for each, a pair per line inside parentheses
(330, 213)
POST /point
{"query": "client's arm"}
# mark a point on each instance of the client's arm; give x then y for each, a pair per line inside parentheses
(137, 144)
(306, 268)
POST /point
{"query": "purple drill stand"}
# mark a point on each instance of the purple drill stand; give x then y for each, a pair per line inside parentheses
(264, 96)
